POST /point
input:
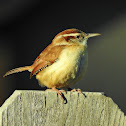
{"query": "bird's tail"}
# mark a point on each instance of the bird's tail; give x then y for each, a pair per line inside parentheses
(16, 70)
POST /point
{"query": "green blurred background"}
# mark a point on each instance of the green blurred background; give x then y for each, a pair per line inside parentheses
(27, 27)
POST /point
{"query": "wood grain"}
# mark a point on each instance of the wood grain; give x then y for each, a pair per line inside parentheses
(40, 108)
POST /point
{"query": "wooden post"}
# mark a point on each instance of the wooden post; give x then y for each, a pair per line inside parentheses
(40, 108)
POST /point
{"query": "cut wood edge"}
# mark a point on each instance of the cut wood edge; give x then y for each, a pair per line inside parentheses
(17, 93)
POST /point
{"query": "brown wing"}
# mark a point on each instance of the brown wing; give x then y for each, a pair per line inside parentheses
(42, 65)
(46, 58)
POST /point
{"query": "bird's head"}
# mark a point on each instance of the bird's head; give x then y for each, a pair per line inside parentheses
(71, 36)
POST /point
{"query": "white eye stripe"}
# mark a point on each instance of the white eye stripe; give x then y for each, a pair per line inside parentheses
(71, 34)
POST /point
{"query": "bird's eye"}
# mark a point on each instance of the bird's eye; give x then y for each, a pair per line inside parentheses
(78, 36)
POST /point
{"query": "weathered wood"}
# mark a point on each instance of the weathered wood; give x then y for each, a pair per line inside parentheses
(40, 108)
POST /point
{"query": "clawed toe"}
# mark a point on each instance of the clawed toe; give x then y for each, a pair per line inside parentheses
(63, 91)
(59, 92)
(76, 90)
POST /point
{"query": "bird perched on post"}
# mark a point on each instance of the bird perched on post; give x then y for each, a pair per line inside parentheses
(61, 63)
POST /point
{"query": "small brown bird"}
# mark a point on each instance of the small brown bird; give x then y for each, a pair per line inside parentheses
(61, 63)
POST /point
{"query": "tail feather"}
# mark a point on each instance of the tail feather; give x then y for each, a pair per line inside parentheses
(16, 70)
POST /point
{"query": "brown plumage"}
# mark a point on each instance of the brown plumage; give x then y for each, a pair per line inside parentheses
(46, 58)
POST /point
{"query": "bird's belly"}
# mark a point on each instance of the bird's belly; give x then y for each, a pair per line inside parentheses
(82, 67)
(63, 72)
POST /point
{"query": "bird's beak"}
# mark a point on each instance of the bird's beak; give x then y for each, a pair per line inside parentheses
(88, 35)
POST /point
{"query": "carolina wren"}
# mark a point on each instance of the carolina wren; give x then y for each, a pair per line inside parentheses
(61, 63)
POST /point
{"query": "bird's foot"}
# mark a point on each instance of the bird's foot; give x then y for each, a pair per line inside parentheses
(59, 92)
(78, 90)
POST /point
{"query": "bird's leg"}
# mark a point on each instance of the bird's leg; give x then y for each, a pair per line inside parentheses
(59, 92)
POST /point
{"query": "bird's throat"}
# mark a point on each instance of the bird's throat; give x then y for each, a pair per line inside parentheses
(84, 42)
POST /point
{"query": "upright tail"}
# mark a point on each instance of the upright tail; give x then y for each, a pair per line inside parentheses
(16, 70)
